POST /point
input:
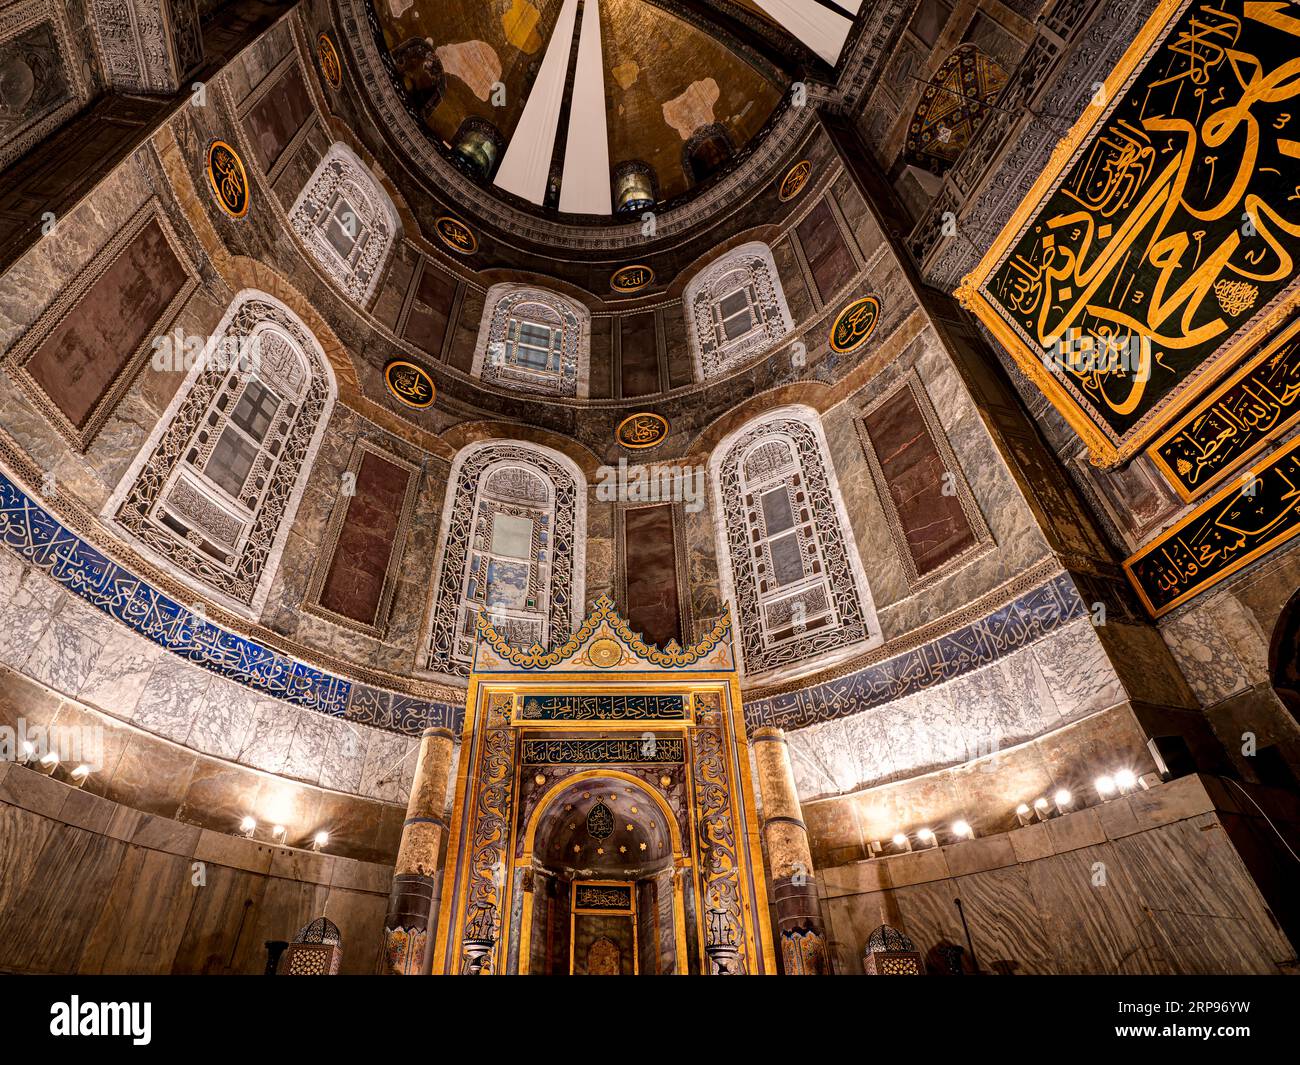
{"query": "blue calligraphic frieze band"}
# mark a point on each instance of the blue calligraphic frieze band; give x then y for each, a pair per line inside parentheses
(43, 542)
(1023, 621)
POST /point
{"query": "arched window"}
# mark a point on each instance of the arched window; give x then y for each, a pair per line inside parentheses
(511, 546)
(736, 308)
(531, 340)
(347, 220)
(794, 576)
(214, 490)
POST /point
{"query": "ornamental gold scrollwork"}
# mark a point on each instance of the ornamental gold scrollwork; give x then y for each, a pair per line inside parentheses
(715, 822)
(489, 838)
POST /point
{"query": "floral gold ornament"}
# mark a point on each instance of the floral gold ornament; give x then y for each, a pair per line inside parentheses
(456, 235)
(631, 278)
(327, 55)
(854, 324)
(795, 179)
(1148, 257)
(641, 430)
(228, 178)
(604, 653)
(409, 383)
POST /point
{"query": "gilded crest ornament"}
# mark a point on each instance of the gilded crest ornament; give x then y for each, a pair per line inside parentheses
(604, 653)
(456, 235)
(327, 55)
(228, 178)
(795, 179)
(631, 278)
(854, 324)
(409, 383)
(641, 430)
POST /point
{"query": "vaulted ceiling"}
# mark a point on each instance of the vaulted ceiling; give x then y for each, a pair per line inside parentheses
(542, 73)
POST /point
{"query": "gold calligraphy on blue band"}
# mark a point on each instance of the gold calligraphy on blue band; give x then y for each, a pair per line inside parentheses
(1164, 230)
(228, 178)
(1231, 529)
(854, 324)
(631, 278)
(410, 383)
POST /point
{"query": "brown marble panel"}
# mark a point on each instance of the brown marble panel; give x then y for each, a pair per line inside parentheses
(354, 583)
(426, 325)
(932, 523)
(217, 920)
(144, 919)
(650, 555)
(277, 116)
(828, 255)
(639, 354)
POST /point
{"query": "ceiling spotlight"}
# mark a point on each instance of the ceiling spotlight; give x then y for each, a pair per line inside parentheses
(79, 775)
(902, 842)
(319, 840)
(1125, 780)
(1022, 814)
(1105, 786)
(278, 834)
(962, 830)
(48, 763)
(247, 827)
(1063, 799)
(1041, 806)
(926, 836)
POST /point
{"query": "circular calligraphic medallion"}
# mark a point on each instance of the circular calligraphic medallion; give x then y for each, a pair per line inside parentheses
(631, 278)
(456, 235)
(229, 179)
(854, 324)
(604, 653)
(328, 57)
(409, 384)
(795, 179)
(641, 430)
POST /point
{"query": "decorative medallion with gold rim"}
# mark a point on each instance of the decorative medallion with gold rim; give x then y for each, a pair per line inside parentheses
(328, 57)
(228, 178)
(631, 278)
(795, 180)
(641, 430)
(410, 384)
(854, 324)
(456, 235)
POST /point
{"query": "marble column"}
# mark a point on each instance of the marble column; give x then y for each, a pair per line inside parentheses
(794, 888)
(413, 904)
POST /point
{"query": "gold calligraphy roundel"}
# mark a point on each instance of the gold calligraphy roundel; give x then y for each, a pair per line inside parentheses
(641, 430)
(631, 278)
(456, 235)
(795, 179)
(854, 324)
(327, 55)
(409, 383)
(228, 178)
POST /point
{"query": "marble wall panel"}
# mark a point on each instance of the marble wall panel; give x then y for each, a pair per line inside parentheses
(171, 699)
(66, 653)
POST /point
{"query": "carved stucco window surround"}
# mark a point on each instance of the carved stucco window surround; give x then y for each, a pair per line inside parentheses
(736, 310)
(532, 340)
(791, 569)
(512, 544)
(212, 494)
(347, 221)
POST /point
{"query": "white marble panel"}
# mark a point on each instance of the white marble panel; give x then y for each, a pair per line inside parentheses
(267, 744)
(27, 601)
(308, 746)
(821, 760)
(225, 719)
(345, 755)
(1078, 671)
(389, 767)
(1208, 660)
(120, 672)
(865, 739)
(172, 698)
(67, 650)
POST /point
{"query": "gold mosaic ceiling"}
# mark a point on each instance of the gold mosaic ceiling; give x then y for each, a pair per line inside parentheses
(665, 78)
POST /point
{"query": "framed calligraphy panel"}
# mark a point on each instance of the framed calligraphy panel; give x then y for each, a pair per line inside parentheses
(1230, 530)
(1160, 242)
